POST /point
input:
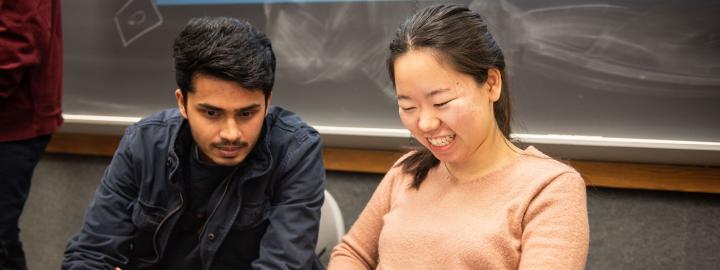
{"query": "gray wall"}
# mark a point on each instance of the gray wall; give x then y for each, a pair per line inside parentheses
(630, 229)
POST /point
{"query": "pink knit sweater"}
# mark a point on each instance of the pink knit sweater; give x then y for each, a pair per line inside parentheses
(531, 214)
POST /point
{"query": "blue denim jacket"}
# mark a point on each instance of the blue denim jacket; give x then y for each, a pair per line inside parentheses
(266, 215)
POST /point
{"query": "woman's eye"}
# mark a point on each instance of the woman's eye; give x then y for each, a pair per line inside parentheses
(407, 108)
(438, 105)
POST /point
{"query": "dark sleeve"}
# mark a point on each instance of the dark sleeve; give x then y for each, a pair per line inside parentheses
(291, 236)
(103, 242)
(19, 28)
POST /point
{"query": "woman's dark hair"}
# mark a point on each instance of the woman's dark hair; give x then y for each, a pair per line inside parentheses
(459, 36)
(227, 48)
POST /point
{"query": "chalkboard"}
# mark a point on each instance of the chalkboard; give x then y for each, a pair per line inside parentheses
(621, 69)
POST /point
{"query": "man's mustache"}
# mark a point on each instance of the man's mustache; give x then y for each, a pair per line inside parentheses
(238, 144)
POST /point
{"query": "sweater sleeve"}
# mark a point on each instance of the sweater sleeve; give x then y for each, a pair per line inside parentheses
(555, 226)
(359, 248)
(19, 24)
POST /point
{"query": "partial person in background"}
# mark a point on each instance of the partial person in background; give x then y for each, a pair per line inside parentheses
(30, 107)
(469, 199)
(224, 181)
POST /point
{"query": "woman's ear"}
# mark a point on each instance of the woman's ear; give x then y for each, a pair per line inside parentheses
(494, 82)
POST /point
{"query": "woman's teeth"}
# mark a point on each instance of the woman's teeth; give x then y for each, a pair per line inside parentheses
(441, 141)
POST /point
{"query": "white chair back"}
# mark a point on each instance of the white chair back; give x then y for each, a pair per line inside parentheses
(332, 227)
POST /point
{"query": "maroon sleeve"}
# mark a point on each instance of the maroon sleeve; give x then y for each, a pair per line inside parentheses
(19, 26)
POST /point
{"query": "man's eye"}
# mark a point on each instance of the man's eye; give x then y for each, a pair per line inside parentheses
(246, 114)
(211, 114)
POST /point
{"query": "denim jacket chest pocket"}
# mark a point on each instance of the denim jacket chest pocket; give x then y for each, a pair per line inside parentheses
(241, 246)
(251, 215)
(146, 218)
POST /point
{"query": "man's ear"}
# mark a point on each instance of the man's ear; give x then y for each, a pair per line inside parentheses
(267, 103)
(181, 102)
(494, 81)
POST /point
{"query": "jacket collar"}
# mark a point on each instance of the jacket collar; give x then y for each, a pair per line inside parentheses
(260, 158)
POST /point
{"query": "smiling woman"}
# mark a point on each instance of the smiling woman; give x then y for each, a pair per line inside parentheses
(491, 205)
(451, 114)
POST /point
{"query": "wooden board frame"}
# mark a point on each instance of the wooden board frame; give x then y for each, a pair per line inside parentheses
(596, 173)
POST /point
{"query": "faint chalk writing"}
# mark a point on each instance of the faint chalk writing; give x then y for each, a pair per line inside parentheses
(634, 49)
(317, 47)
(136, 18)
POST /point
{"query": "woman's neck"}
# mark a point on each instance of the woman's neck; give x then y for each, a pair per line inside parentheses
(494, 153)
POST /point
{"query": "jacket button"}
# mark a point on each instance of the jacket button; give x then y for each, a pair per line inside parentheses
(211, 236)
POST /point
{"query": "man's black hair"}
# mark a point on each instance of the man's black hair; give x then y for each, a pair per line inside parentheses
(227, 48)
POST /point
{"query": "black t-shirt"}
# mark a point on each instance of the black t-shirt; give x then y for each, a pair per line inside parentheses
(182, 251)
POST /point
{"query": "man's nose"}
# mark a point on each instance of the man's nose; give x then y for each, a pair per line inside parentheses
(230, 131)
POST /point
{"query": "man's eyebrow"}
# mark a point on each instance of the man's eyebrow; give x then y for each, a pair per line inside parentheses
(250, 107)
(209, 107)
